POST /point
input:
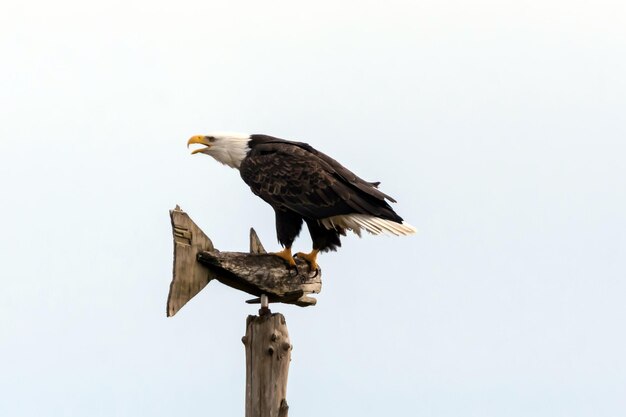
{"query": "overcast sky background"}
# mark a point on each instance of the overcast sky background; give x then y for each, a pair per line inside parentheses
(499, 126)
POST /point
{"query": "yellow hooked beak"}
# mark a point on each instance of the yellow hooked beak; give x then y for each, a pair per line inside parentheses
(202, 140)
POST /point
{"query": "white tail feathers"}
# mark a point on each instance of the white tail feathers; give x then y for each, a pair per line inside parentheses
(372, 224)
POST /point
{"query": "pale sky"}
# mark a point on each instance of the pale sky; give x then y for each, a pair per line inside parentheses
(499, 126)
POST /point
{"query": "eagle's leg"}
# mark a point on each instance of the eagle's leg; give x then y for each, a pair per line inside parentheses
(311, 259)
(288, 224)
(285, 254)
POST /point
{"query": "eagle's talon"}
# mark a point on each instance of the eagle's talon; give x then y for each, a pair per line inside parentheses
(311, 260)
(286, 256)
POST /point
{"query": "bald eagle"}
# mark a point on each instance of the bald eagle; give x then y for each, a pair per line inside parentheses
(304, 185)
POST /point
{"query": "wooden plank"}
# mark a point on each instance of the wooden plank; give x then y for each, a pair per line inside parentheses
(189, 276)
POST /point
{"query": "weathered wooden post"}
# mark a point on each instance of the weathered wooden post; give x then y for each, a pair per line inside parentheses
(268, 353)
(267, 344)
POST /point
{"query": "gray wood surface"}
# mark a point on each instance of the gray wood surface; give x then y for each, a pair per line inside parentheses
(255, 243)
(264, 274)
(197, 261)
(189, 276)
(268, 353)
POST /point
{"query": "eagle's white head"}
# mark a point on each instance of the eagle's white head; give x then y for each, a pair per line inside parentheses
(227, 148)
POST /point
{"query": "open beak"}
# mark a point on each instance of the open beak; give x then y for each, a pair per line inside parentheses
(202, 140)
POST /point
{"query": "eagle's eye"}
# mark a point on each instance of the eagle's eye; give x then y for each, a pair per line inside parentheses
(211, 138)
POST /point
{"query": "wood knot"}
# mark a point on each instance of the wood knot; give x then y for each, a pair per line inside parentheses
(244, 340)
(284, 408)
(286, 346)
(274, 337)
(270, 350)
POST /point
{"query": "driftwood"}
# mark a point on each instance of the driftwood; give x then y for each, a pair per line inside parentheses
(268, 353)
(197, 262)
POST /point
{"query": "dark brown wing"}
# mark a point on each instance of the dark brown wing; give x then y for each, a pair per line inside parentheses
(370, 188)
(294, 176)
